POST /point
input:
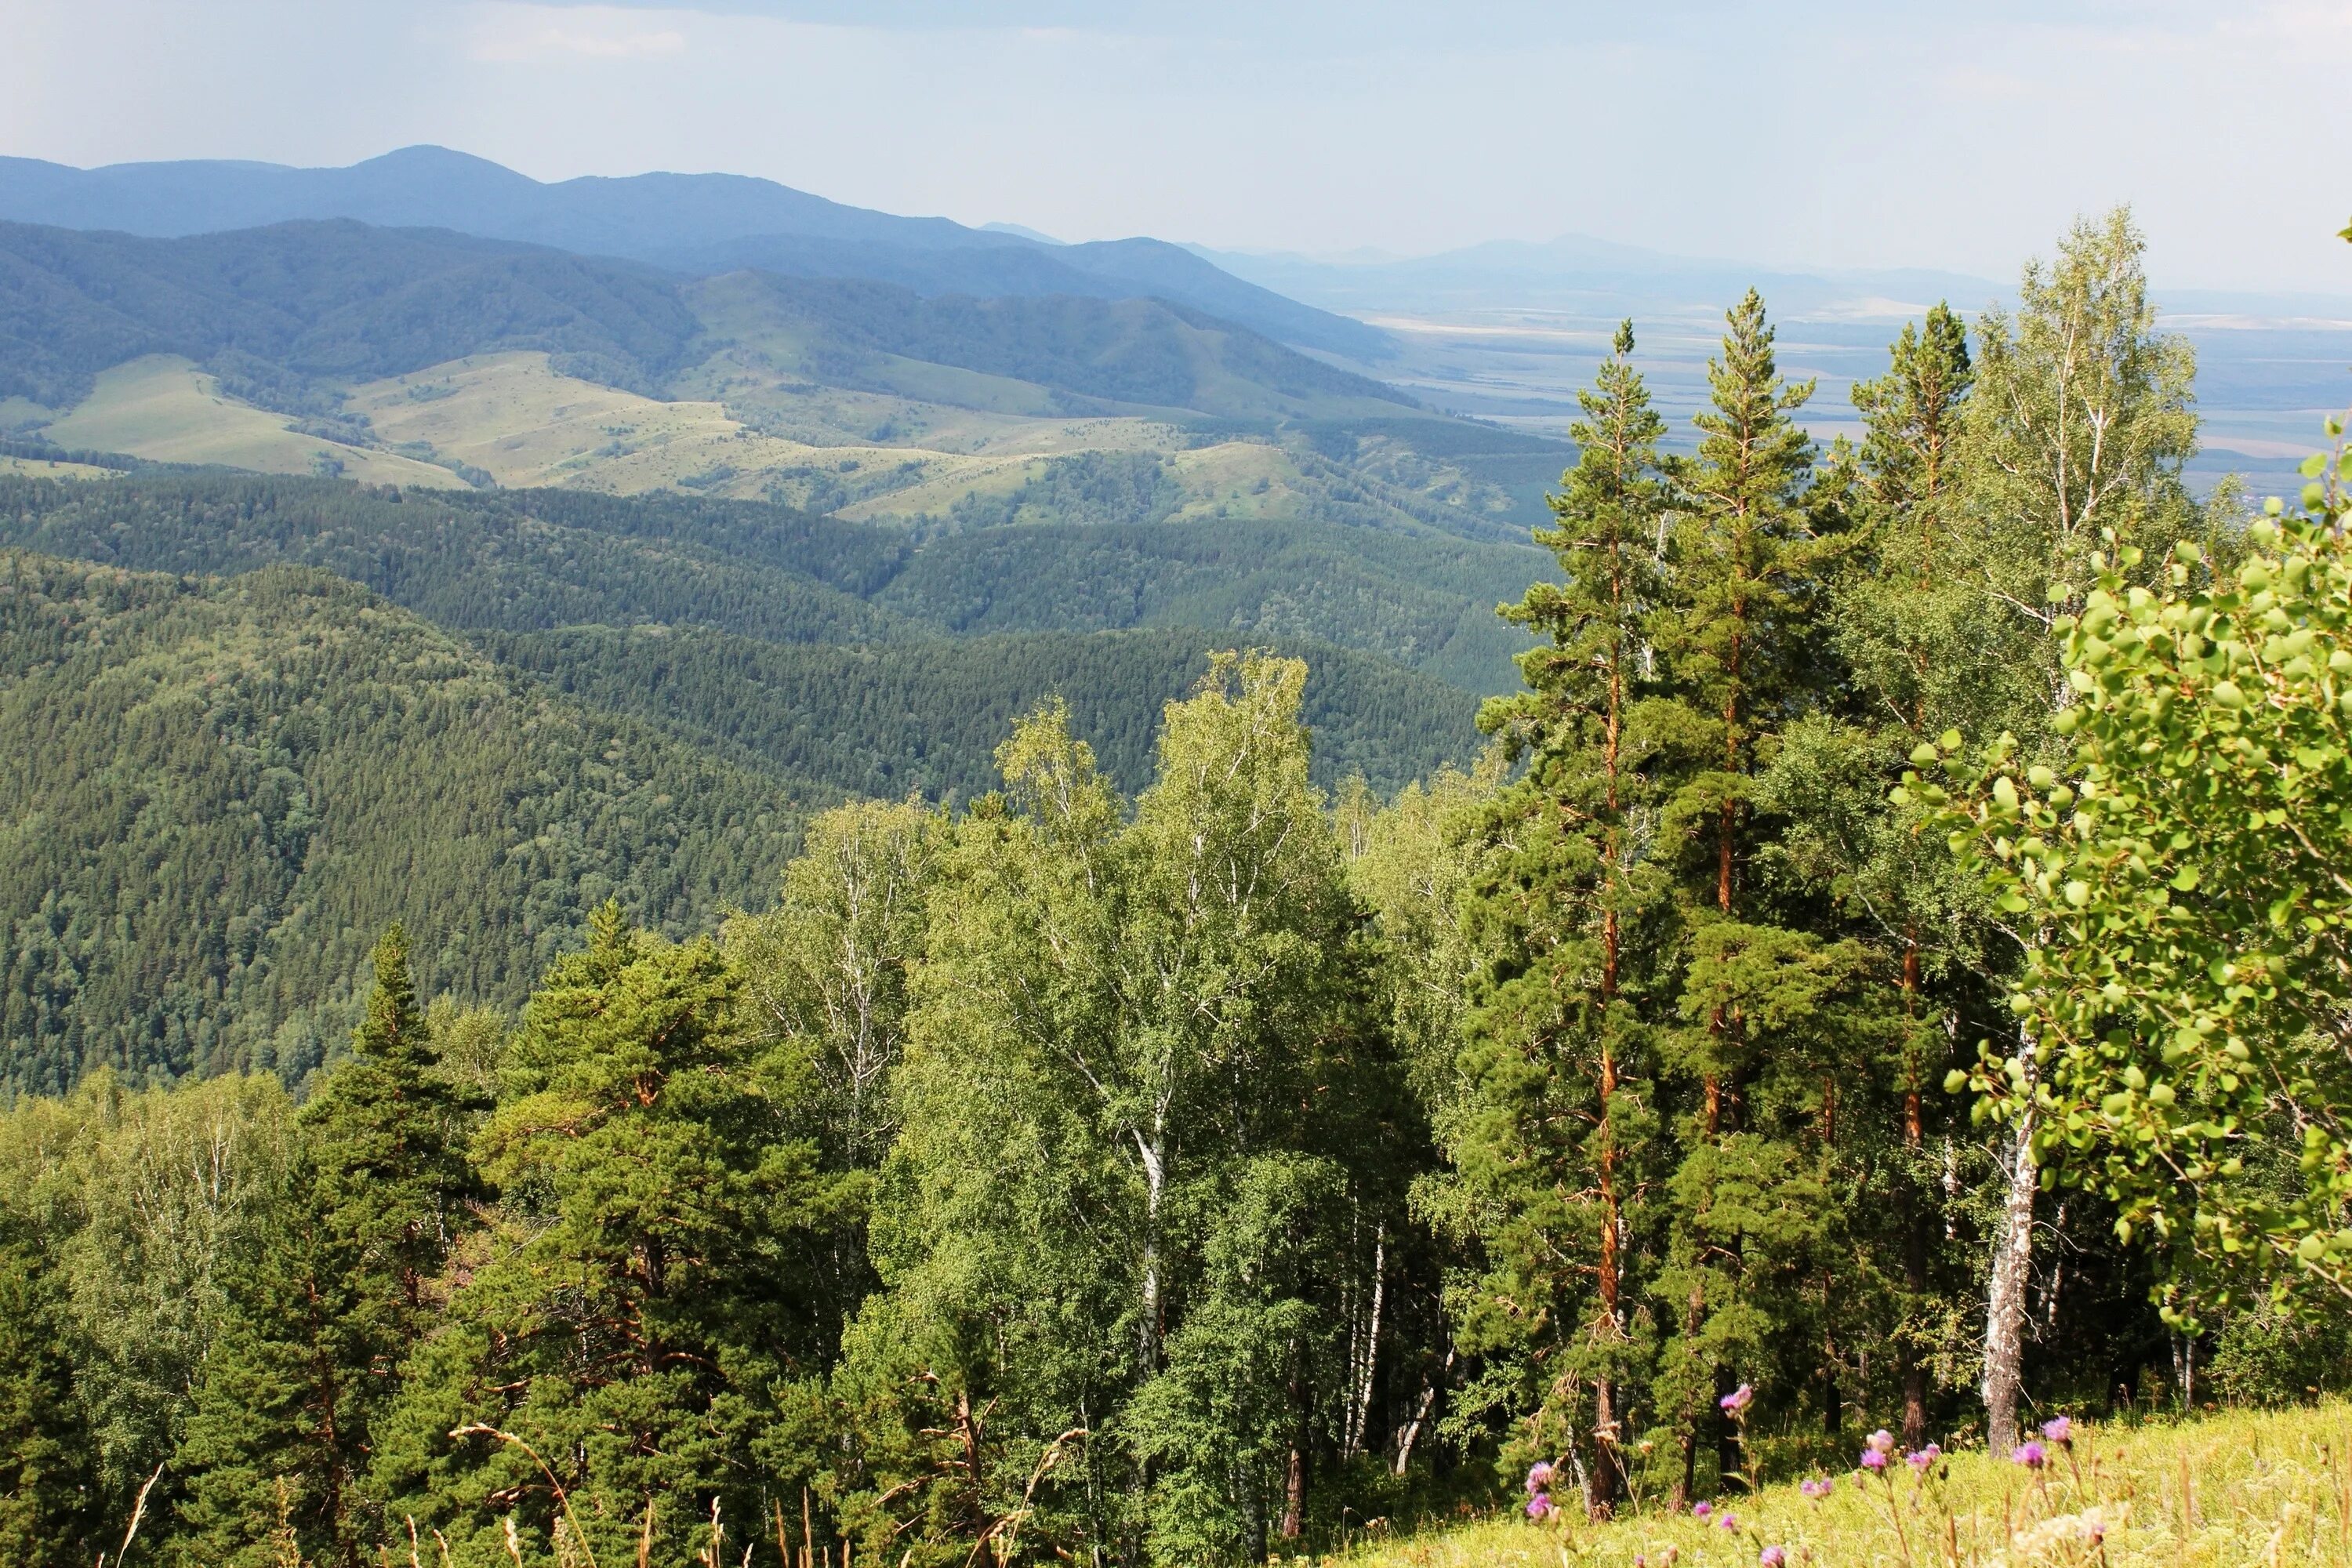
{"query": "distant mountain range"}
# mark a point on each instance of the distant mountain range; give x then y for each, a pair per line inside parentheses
(1577, 273)
(696, 224)
(336, 297)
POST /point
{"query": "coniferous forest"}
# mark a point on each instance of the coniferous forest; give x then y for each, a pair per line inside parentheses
(1886, 968)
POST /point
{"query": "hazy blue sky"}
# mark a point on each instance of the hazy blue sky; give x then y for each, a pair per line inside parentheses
(1951, 135)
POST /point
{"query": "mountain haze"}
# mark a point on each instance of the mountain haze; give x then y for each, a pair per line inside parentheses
(698, 224)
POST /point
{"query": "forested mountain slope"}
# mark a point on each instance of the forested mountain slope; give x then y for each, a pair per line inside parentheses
(520, 561)
(231, 783)
(339, 299)
(270, 308)
(927, 717)
(222, 790)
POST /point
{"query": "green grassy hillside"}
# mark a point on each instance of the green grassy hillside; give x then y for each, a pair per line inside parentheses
(223, 789)
(383, 355)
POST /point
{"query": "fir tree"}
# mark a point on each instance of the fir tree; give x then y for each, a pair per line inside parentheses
(1914, 641)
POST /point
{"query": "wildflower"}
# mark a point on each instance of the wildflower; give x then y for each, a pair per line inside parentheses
(1739, 1399)
(1920, 1459)
(1701, 1509)
(1772, 1557)
(2058, 1430)
(2032, 1456)
(1727, 1520)
(1539, 1507)
(1538, 1479)
(1871, 1459)
(1817, 1489)
(1882, 1440)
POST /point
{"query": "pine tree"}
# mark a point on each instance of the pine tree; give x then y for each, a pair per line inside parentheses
(1911, 631)
(1757, 993)
(276, 1443)
(48, 1471)
(1555, 1138)
(331, 1301)
(644, 1299)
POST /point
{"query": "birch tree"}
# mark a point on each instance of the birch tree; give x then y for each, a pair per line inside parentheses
(2074, 441)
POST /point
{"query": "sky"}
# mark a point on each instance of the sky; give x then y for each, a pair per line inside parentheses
(1839, 133)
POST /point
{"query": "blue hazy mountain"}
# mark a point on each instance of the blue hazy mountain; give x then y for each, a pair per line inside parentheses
(698, 224)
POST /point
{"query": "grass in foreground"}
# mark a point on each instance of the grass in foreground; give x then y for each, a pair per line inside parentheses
(2237, 1489)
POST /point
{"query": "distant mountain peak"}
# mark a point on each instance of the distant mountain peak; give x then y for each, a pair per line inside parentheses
(1021, 231)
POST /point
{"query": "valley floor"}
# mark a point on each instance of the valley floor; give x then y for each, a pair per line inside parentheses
(2229, 1490)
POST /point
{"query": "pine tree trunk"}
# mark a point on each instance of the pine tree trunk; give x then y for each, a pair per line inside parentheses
(1602, 1492)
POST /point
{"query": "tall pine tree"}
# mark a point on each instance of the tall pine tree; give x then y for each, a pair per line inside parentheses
(1757, 1021)
(1555, 1145)
(647, 1293)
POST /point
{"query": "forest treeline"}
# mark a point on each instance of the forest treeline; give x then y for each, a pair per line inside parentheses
(1799, 1022)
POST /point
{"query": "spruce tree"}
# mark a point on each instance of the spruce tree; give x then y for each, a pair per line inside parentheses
(1555, 1144)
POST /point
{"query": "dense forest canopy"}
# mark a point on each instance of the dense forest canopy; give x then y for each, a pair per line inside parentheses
(1900, 887)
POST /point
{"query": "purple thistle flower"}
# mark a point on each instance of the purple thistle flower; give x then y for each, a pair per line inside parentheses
(1871, 1459)
(1539, 1507)
(2058, 1430)
(1772, 1557)
(1920, 1459)
(1739, 1399)
(1538, 1479)
(1816, 1489)
(2032, 1456)
(1882, 1441)
(1728, 1520)
(1701, 1509)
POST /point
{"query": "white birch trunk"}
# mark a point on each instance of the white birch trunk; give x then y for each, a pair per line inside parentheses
(2012, 1261)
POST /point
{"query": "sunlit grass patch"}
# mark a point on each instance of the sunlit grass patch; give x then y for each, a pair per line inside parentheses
(2232, 1489)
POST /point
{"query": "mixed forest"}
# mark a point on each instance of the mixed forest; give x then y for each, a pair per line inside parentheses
(1886, 968)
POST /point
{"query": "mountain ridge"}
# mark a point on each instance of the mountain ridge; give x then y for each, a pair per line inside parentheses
(710, 222)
